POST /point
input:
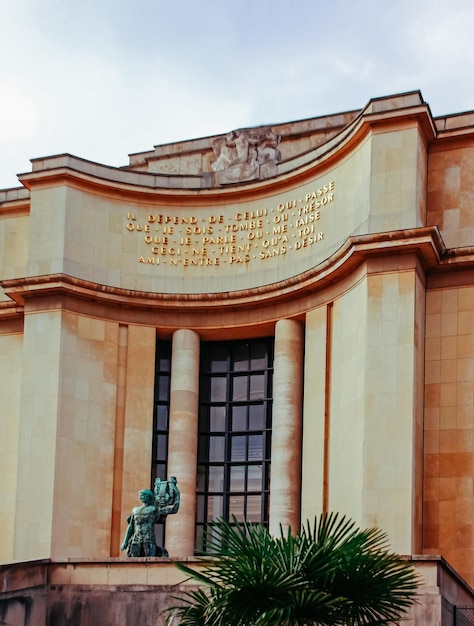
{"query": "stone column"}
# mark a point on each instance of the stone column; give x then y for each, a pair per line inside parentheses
(182, 443)
(285, 487)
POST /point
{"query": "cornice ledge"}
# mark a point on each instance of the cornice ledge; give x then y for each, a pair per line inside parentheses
(66, 167)
(463, 258)
(335, 148)
(425, 242)
(10, 309)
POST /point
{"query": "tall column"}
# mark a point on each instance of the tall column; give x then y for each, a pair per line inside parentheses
(182, 442)
(285, 487)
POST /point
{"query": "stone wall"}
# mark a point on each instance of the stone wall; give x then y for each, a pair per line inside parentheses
(117, 592)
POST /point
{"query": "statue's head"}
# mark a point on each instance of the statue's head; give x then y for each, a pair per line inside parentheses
(146, 495)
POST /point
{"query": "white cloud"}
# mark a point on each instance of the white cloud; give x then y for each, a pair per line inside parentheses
(102, 79)
(19, 115)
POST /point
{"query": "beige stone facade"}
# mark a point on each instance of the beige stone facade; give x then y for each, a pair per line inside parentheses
(347, 238)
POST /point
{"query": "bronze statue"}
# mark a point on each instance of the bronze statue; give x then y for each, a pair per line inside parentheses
(164, 500)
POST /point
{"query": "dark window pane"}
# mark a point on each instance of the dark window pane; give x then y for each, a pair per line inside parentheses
(162, 417)
(217, 418)
(254, 509)
(160, 534)
(259, 356)
(257, 417)
(238, 448)
(257, 387)
(164, 364)
(163, 387)
(239, 418)
(218, 361)
(199, 539)
(162, 448)
(203, 449)
(254, 480)
(268, 445)
(239, 392)
(216, 478)
(218, 388)
(236, 507)
(208, 536)
(215, 507)
(200, 508)
(163, 358)
(204, 387)
(241, 357)
(203, 419)
(160, 469)
(201, 478)
(216, 448)
(255, 447)
(237, 478)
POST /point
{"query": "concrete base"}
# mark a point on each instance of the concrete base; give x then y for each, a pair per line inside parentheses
(118, 592)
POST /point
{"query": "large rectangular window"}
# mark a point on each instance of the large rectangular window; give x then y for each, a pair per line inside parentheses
(235, 415)
(161, 421)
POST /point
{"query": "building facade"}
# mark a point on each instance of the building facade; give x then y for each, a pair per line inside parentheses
(282, 317)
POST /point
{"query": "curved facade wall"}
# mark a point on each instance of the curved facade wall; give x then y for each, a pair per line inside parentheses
(348, 239)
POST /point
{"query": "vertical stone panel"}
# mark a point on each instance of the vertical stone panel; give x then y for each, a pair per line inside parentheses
(393, 409)
(285, 487)
(119, 440)
(10, 394)
(182, 444)
(398, 179)
(86, 437)
(137, 438)
(450, 194)
(448, 489)
(313, 462)
(347, 402)
(418, 408)
(37, 436)
(48, 226)
(68, 408)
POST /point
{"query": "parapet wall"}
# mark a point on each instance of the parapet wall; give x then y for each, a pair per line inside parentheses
(120, 592)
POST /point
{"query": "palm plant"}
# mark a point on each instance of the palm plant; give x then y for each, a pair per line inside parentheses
(330, 573)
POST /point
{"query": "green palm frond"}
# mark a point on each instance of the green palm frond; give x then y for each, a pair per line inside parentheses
(330, 573)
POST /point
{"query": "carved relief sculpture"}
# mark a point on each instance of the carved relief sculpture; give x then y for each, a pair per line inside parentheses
(240, 153)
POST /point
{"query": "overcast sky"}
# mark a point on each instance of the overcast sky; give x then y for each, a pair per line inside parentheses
(104, 78)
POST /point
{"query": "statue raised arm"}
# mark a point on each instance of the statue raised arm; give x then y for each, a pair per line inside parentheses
(167, 495)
